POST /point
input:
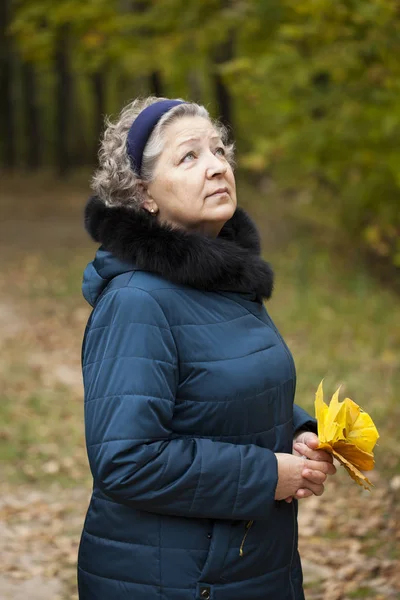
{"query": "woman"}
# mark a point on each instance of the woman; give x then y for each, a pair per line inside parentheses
(189, 387)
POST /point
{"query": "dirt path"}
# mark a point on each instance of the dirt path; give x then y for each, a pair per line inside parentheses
(39, 536)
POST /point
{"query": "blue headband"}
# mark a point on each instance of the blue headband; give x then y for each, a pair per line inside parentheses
(142, 127)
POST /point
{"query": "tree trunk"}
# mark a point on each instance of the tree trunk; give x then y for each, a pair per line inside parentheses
(33, 150)
(63, 97)
(155, 84)
(222, 95)
(7, 129)
(98, 80)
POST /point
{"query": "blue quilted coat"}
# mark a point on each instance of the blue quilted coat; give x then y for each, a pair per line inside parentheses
(189, 392)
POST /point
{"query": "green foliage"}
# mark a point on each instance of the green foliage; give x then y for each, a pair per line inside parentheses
(315, 85)
(325, 115)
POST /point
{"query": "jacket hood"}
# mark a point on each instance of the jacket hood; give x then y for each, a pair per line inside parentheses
(100, 272)
(135, 239)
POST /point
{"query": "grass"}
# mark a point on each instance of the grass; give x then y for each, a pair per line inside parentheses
(342, 327)
(340, 324)
(364, 592)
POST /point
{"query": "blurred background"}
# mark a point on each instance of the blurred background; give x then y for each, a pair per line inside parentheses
(310, 90)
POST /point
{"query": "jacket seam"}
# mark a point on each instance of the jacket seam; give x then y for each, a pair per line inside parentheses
(129, 323)
(107, 539)
(152, 585)
(198, 482)
(177, 378)
(208, 324)
(194, 362)
(128, 394)
(238, 483)
(237, 396)
(129, 287)
(249, 311)
(237, 435)
(128, 440)
(159, 360)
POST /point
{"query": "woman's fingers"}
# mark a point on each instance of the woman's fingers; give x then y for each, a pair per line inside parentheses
(303, 493)
(316, 488)
(318, 465)
(311, 453)
(314, 476)
(320, 455)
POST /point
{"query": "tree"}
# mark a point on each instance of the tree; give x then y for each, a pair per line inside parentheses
(314, 86)
(223, 54)
(63, 97)
(7, 130)
(31, 122)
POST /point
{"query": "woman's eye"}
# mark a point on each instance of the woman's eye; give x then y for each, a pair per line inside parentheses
(189, 155)
(221, 150)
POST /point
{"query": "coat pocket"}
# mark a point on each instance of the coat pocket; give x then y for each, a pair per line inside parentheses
(248, 526)
(219, 546)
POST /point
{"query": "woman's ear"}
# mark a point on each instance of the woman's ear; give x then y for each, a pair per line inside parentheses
(147, 201)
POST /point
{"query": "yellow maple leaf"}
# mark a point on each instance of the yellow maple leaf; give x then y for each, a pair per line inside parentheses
(348, 433)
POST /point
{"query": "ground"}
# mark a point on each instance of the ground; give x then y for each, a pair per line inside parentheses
(349, 538)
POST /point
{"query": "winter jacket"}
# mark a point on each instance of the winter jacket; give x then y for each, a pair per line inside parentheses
(189, 391)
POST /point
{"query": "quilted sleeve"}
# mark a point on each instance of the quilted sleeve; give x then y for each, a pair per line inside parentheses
(130, 368)
(302, 420)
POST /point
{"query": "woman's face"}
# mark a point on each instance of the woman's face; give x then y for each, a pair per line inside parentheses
(188, 174)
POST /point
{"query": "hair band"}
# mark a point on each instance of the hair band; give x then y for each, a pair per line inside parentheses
(142, 128)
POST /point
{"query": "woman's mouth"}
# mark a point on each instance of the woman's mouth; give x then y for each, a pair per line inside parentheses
(219, 192)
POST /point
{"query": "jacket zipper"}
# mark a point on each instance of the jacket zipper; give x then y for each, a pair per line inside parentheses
(248, 527)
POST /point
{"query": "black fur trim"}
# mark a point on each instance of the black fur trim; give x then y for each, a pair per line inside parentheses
(229, 262)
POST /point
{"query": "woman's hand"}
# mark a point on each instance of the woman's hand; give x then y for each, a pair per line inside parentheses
(295, 475)
(305, 445)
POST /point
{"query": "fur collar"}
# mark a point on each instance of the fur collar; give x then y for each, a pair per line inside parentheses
(229, 262)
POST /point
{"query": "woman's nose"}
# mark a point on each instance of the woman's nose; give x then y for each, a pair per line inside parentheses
(215, 166)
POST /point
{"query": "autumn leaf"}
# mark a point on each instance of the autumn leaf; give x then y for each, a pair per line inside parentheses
(348, 433)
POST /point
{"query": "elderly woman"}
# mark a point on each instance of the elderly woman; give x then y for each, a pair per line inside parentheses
(195, 447)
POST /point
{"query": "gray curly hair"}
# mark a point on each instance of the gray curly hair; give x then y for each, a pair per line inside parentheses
(115, 182)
